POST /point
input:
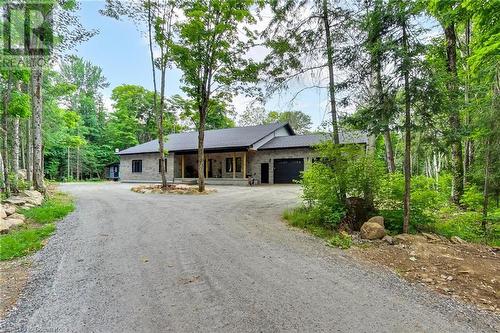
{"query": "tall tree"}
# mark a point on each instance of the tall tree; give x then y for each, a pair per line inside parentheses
(298, 120)
(210, 52)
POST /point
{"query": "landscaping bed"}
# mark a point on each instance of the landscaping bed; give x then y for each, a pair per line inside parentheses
(470, 272)
(171, 188)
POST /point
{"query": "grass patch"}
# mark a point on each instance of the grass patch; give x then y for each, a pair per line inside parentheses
(54, 208)
(24, 241)
(301, 217)
(29, 238)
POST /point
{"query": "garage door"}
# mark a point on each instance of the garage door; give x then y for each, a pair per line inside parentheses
(287, 170)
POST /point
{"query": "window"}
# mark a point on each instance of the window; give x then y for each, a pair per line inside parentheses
(159, 165)
(238, 164)
(229, 164)
(136, 165)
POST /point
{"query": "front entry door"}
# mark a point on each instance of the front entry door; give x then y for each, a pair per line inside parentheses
(264, 173)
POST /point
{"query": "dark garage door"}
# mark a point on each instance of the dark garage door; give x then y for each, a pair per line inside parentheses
(286, 170)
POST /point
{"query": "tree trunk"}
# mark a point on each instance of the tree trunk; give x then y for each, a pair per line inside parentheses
(454, 117)
(389, 152)
(78, 169)
(486, 183)
(15, 152)
(331, 76)
(201, 153)
(68, 165)
(407, 159)
(37, 110)
(467, 120)
(160, 125)
(5, 146)
(29, 151)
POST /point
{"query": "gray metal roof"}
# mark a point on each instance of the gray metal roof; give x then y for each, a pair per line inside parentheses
(295, 141)
(227, 138)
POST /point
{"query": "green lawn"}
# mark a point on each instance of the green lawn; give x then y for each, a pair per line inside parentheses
(57, 206)
(29, 238)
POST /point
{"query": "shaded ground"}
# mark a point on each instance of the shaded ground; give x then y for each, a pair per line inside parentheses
(13, 278)
(224, 262)
(470, 272)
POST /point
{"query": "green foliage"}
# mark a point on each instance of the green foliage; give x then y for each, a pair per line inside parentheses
(341, 240)
(53, 208)
(345, 167)
(473, 198)
(20, 104)
(298, 120)
(24, 241)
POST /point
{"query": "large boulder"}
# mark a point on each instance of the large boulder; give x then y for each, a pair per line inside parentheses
(17, 216)
(3, 213)
(32, 197)
(4, 227)
(371, 230)
(13, 222)
(9, 209)
(377, 219)
(16, 200)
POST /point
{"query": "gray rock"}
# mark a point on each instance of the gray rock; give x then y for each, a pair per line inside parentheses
(3, 213)
(388, 239)
(4, 227)
(13, 222)
(431, 237)
(16, 200)
(17, 216)
(371, 231)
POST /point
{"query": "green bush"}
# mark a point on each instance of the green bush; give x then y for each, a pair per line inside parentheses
(344, 167)
(472, 198)
(341, 240)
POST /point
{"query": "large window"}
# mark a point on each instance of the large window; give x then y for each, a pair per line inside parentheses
(159, 165)
(229, 164)
(136, 165)
(238, 164)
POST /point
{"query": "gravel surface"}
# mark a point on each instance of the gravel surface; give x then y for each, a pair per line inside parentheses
(224, 262)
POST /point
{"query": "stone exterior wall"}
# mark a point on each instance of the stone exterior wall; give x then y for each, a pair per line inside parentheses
(150, 164)
(150, 171)
(218, 164)
(268, 156)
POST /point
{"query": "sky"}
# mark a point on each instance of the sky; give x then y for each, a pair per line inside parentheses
(122, 53)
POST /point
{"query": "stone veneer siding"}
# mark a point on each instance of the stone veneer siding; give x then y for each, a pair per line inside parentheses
(263, 156)
(150, 163)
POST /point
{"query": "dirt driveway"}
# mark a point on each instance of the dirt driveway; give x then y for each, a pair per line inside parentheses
(224, 262)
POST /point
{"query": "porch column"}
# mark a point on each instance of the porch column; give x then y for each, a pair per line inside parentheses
(234, 165)
(182, 166)
(245, 165)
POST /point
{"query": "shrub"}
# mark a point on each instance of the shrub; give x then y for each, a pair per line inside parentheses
(472, 198)
(342, 240)
(344, 167)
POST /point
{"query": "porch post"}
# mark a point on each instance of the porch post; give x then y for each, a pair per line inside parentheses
(234, 165)
(182, 166)
(245, 165)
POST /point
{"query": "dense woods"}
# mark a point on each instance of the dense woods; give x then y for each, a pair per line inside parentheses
(421, 78)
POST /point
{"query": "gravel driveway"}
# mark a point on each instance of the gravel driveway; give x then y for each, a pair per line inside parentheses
(224, 262)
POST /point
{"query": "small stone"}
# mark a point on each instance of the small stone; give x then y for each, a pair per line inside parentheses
(3, 213)
(4, 227)
(457, 240)
(427, 280)
(14, 222)
(388, 239)
(431, 237)
(413, 259)
(449, 278)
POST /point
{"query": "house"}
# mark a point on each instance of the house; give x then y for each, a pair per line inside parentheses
(270, 154)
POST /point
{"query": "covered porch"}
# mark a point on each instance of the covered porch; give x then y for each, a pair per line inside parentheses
(220, 168)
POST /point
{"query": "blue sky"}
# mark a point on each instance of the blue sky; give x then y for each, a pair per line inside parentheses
(122, 52)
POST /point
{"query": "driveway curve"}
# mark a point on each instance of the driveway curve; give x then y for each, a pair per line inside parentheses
(224, 262)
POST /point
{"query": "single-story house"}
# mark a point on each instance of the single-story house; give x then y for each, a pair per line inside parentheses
(270, 154)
